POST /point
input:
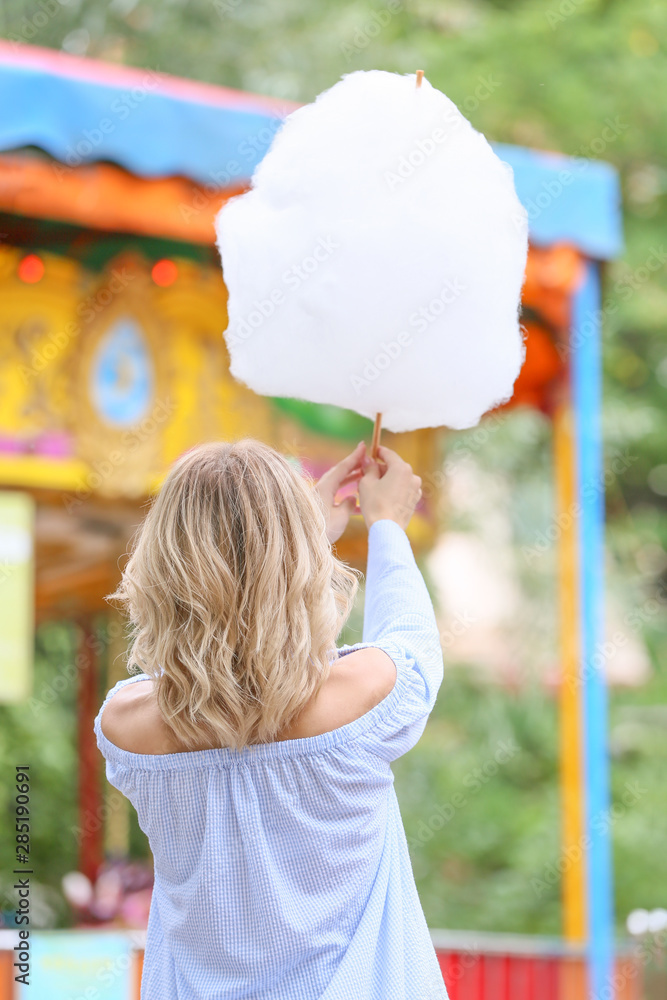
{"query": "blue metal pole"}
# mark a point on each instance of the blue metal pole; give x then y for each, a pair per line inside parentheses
(587, 401)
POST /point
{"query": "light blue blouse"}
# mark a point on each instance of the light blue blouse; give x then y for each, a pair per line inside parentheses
(282, 870)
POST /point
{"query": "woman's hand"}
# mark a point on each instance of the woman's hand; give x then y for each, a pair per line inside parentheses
(392, 492)
(345, 471)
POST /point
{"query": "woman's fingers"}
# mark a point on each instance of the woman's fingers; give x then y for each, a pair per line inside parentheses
(355, 474)
(342, 472)
(350, 462)
(389, 457)
(350, 469)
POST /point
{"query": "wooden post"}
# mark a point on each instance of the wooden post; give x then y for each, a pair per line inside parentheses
(117, 832)
(91, 812)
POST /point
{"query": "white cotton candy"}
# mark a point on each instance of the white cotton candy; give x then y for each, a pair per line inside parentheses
(377, 261)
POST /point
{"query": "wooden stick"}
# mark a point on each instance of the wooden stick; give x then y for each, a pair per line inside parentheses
(420, 77)
(377, 430)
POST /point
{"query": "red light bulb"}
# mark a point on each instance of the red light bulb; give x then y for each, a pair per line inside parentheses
(31, 269)
(164, 273)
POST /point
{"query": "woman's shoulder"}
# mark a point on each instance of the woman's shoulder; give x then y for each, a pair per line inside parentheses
(131, 720)
(370, 671)
(357, 682)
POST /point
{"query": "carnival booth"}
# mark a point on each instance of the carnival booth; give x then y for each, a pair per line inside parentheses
(113, 308)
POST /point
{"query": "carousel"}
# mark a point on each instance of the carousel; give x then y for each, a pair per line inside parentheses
(114, 307)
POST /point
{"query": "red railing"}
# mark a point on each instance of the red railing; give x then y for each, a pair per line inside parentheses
(481, 966)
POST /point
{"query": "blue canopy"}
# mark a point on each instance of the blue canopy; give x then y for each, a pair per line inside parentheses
(85, 111)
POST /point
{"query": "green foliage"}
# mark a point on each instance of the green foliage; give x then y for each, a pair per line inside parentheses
(41, 733)
(492, 861)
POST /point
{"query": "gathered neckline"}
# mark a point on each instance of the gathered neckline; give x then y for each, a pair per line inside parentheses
(224, 756)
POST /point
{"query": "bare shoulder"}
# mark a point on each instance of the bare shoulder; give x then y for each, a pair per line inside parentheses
(131, 720)
(371, 671)
(358, 682)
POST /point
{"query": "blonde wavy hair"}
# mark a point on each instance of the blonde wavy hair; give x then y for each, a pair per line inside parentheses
(234, 595)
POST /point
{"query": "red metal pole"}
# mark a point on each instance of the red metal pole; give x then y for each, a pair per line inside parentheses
(91, 816)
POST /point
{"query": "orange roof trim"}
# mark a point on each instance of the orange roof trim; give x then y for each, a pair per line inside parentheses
(107, 197)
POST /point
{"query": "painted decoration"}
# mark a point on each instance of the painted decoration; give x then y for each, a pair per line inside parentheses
(121, 374)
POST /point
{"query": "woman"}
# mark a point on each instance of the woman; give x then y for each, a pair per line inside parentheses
(256, 754)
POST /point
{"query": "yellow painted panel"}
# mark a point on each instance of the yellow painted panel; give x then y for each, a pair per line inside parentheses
(42, 473)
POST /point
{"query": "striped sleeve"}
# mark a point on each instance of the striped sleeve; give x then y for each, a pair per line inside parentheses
(399, 618)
